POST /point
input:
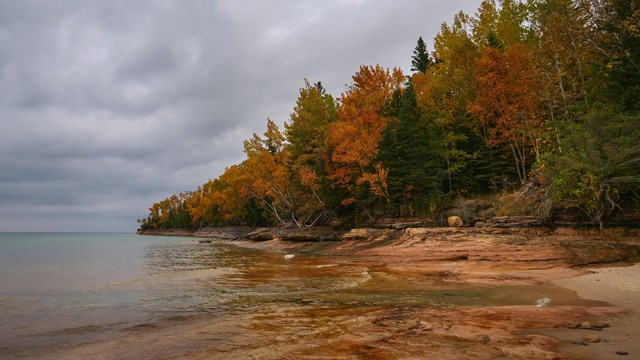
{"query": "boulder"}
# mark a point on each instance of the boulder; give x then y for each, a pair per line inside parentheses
(592, 338)
(454, 221)
(585, 324)
(356, 234)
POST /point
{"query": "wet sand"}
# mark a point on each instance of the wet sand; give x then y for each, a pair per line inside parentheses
(619, 286)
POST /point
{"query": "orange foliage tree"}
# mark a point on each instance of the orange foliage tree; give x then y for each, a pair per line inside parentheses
(507, 104)
(309, 149)
(356, 135)
(266, 171)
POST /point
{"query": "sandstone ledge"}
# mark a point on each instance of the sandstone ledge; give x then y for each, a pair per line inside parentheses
(503, 247)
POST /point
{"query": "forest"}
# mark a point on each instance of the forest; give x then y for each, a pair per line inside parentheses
(536, 94)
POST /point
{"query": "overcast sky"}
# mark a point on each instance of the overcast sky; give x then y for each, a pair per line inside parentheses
(108, 106)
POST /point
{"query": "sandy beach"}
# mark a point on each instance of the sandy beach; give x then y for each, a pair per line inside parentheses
(619, 286)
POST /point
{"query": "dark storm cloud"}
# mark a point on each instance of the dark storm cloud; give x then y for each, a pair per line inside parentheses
(107, 106)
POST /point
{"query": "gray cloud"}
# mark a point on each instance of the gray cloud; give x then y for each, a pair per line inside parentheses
(108, 106)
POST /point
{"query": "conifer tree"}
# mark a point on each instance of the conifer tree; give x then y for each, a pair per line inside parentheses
(420, 60)
(409, 151)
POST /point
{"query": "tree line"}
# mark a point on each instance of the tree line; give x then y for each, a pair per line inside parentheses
(538, 91)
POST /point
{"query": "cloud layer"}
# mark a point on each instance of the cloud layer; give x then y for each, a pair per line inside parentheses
(108, 106)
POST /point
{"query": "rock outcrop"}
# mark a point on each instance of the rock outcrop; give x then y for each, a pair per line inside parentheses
(297, 234)
(226, 233)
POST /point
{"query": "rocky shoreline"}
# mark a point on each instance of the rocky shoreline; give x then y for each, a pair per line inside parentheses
(502, 241)
(492, 253)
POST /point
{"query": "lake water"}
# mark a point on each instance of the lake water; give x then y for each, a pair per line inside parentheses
(122, 296)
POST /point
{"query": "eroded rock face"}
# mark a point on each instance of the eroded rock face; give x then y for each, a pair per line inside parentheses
(310, 234)
(297, 234)
(261, 234)
(226, 233)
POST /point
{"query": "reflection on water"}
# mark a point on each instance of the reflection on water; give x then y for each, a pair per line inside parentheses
(185, 298)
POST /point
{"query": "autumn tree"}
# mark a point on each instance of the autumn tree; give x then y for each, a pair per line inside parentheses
(266, 171)
(550, 84)
(309, 149)
(500, 24)
(443, 95)
(307, 131)
(507, 104)
(356, 135)
(615, 35)
(563, 54)
(170, 213)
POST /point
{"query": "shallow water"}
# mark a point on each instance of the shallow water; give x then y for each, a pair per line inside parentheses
(115, 296)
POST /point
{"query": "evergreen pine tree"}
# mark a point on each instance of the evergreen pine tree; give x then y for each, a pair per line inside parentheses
(420, 60)
(408, 151)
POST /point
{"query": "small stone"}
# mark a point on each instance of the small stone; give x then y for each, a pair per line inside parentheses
(585, 324)
(584, 343)
(572, 324)
(592, 338)
(622, 353)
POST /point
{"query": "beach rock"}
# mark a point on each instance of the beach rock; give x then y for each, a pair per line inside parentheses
(592, 338)
(585, 324)
(454, 221)
(356, 234)
(572, 324)
(543, 302)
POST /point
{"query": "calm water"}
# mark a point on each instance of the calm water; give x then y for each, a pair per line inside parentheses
(122, 296)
